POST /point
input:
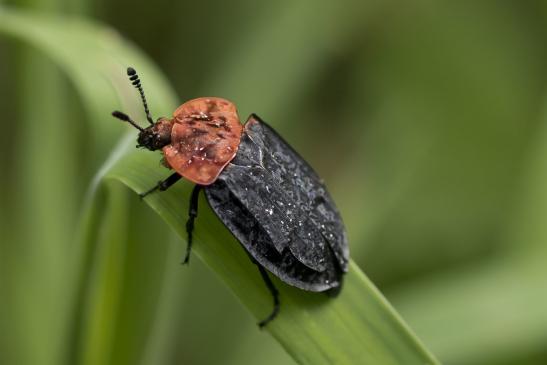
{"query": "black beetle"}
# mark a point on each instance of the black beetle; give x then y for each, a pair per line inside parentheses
(271, 200)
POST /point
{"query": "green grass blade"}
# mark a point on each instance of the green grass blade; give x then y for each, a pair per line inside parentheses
(357, 327)
(95, 59)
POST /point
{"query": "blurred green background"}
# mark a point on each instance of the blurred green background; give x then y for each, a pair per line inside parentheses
(427, 120)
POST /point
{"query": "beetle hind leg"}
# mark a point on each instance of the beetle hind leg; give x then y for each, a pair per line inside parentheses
(275, 295)
(192, 215)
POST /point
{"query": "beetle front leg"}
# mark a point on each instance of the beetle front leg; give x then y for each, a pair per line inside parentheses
(192, 214)
(163, 185)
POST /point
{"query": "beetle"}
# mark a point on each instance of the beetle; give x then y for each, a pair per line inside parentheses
(269, 198)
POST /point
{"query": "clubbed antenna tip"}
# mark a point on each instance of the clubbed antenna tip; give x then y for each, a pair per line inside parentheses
(124, 117)
(134, 78)
(120, 115)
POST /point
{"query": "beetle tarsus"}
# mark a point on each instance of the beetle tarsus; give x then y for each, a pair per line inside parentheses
(162, 185)
(192, 215)
(189, 230)
(142, 195)
(275, 295)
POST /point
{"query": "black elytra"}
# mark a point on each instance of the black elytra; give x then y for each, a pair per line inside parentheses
(276, 206)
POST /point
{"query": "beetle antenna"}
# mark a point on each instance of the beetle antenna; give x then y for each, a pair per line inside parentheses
(134, 78)
(124, 117)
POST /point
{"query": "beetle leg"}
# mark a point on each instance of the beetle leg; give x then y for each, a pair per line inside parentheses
(192, 214)
(163, 185)
(273, 291)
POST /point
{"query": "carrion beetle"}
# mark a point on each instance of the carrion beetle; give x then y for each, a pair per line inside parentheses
(271, 200)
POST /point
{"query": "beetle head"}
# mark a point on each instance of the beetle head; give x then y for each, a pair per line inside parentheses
(156, 136)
